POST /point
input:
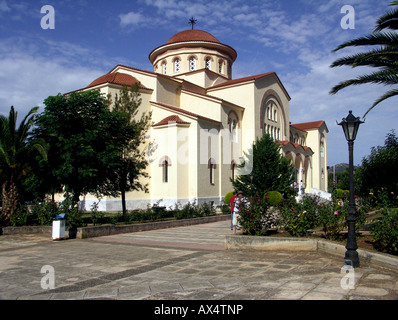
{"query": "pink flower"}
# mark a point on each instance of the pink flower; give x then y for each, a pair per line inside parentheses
(336, 213)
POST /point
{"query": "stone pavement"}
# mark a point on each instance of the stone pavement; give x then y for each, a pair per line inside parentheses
(183, 263)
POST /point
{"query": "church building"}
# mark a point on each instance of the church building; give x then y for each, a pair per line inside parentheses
(204, 122)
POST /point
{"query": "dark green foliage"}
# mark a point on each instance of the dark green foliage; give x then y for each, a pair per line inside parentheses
(273, 197)
(270, 169)
(379, 174)
(228, 197)
(385, 231)
(257, 217)
(18, 151)
(85, 143)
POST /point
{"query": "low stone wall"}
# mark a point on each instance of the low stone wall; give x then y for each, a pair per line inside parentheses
(308, 244)
(109, 229)
(106, 230)
(25, 230)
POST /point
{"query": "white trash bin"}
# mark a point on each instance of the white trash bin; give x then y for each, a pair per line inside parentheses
(59, 227)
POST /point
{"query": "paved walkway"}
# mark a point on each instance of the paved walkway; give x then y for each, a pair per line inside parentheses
(185, 263)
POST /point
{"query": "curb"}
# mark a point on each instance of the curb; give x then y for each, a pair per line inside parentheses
(302, 244)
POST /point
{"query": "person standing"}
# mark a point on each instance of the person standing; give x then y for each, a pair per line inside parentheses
(232, 205)
(239, 202)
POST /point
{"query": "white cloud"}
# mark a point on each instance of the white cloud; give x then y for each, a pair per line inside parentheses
(4, 7)
(31, 76)
(132, 18)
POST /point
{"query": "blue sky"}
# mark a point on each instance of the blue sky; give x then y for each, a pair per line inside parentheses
(294, 38)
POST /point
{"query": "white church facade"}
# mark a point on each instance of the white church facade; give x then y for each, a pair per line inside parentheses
(204, 121)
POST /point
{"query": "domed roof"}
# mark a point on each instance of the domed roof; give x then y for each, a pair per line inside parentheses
(193, 38)
(192, 35)
(115, 78)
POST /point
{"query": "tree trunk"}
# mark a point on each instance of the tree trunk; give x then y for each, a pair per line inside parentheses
(10, 200)
(124, 204)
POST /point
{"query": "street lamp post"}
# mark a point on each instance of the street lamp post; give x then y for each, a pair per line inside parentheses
(350, 126)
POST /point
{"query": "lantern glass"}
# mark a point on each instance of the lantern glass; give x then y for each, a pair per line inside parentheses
(350, 126)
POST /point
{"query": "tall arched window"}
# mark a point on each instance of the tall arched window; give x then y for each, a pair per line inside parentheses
(177, 65)
(192, 64)
(165, 165)
(164, 68)
(220, 63)
(212, 167)
(208, 63)
(233, 167)
(233, 123)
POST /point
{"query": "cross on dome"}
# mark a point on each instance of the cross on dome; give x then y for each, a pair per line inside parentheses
(192, 21)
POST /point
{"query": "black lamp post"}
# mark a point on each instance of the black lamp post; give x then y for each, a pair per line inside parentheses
(350, 126)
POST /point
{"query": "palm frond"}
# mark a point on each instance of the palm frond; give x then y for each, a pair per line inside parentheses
(386, 77)
(375, 58)
(389, 20)
(388, 94)
(381, 38)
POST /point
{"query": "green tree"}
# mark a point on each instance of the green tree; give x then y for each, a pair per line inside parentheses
(17, 149)
(85, 143)
(133, 160)
(271, 171)
(378, 173)
(384, 56)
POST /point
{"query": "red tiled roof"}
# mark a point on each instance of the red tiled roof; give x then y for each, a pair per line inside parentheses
(116, 78)
(295, 145)
(192, 35)
(173, 118)
(308, 125)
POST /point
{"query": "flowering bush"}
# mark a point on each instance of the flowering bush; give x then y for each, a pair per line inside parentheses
(331, 217)
(298, 218)
(257, 217)
(385, 231)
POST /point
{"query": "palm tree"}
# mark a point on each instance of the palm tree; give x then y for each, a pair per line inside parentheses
(384, 57)
(15, 156)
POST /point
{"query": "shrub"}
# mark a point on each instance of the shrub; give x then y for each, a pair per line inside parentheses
(273, 197)
(39, 214)
(228, 197)
(341, 194)
(385, 231)
(207, 210)
(257, 217)
(190, 210)
(331, 217)
(298, 218)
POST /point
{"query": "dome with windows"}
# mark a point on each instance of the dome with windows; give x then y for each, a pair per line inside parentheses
(193, 50)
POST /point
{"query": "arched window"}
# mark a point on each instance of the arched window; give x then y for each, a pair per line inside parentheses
(164, 68)
(165, 163)
(177, 65)
(165, 166)
(208, 63)
(212, 167)
(233, 122)
(192, 64)
(220, 63)
(233, 166)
